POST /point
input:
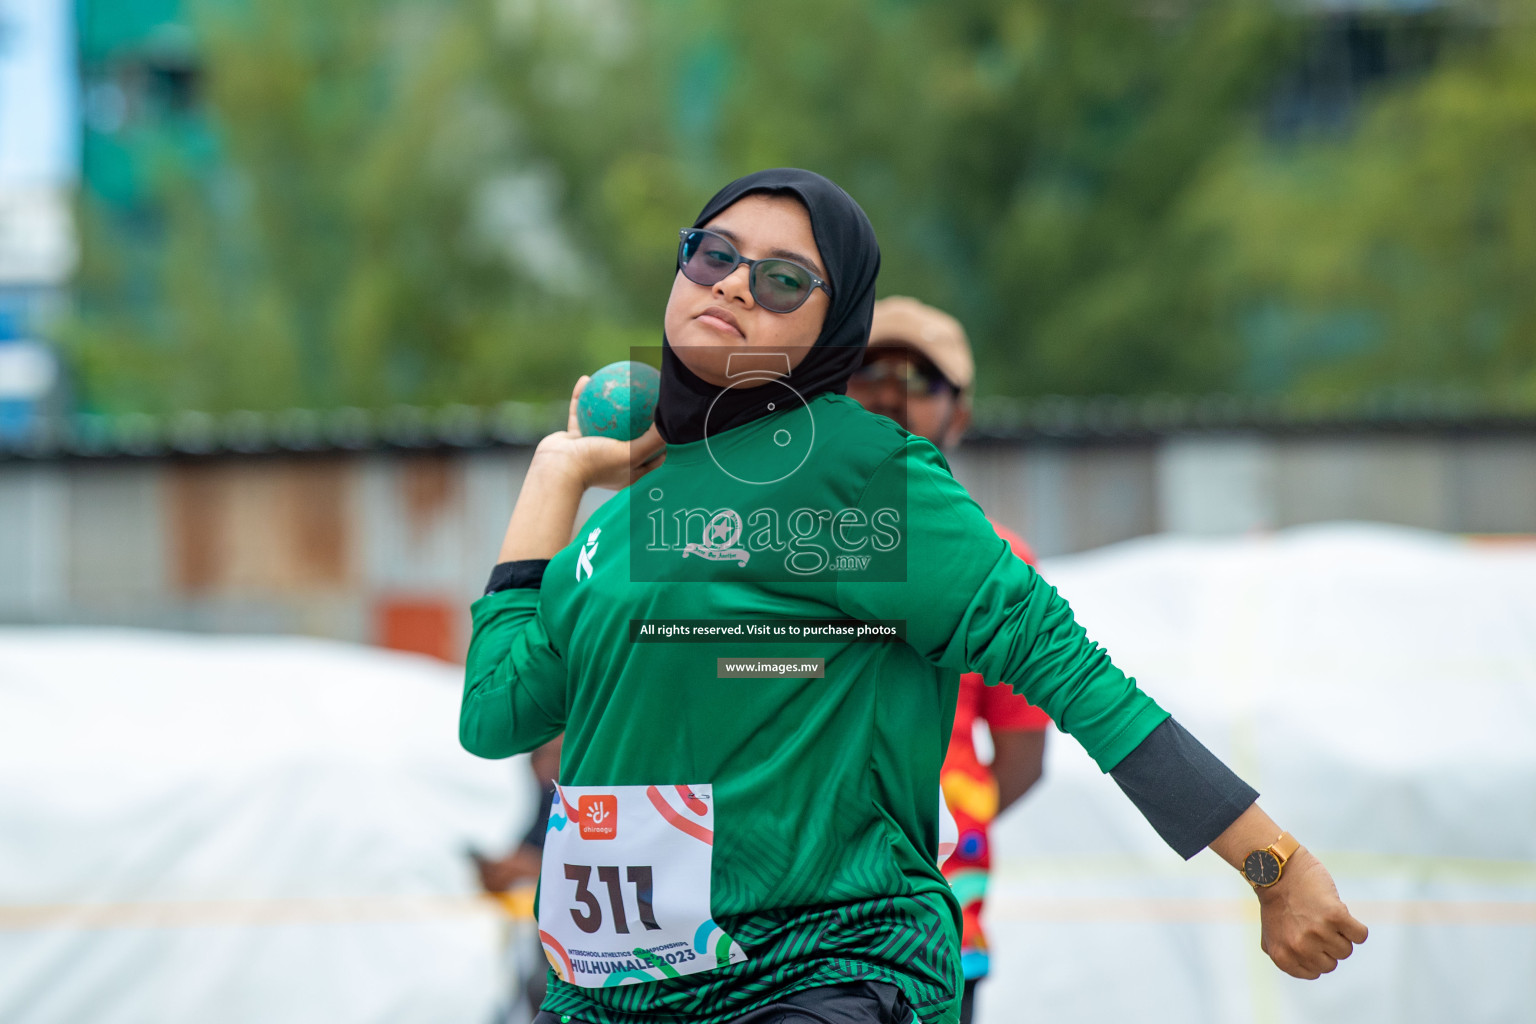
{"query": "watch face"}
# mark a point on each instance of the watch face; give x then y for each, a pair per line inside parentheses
(1261, 868)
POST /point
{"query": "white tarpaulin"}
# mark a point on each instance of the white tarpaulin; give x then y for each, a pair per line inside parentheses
(198, 829)
(1378, 687)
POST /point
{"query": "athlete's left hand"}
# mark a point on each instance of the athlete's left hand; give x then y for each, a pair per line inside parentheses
(1305, 928)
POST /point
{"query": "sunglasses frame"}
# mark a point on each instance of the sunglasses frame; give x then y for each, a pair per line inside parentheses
(934, 381)
(682, 266)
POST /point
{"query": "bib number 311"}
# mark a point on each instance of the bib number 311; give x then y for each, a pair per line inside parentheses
(624, 887)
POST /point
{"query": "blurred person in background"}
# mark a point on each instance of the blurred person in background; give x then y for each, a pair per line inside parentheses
(919, 372)
(520, 867)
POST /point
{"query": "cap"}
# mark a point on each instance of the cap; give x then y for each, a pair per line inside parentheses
(903, 322)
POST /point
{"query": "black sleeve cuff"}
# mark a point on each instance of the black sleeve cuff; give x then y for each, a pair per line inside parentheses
(1182, 789)
(526, 574)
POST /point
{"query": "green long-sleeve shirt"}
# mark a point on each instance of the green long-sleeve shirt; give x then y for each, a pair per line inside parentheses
(826, 789)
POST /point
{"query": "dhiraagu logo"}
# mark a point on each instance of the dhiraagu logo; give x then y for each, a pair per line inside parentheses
(598, 816)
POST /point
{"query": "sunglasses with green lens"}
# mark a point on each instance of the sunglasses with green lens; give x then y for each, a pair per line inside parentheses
(778, 285)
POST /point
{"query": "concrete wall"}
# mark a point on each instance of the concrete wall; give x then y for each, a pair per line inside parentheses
(1069, 497)
(383, 546)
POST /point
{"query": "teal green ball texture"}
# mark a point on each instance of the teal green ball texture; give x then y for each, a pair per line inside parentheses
(618, 401)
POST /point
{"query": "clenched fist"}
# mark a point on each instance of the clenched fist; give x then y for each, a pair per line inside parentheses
(1305, 927)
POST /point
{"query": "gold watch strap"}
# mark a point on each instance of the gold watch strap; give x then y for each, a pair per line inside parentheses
(1285, 847)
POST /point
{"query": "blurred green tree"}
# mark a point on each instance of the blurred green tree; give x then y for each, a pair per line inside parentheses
(433, 201)
(1025, 162)
(357, 236)
(427, 201)
(1399, 257)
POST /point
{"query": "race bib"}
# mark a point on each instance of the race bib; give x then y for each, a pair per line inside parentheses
(624, 886)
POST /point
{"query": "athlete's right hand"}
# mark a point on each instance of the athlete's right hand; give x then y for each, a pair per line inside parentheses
(601, 461)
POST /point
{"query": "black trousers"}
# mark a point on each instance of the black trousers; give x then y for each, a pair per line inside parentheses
(968, 1001)
(858, 1002)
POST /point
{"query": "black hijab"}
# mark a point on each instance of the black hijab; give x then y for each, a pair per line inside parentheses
(852, 260)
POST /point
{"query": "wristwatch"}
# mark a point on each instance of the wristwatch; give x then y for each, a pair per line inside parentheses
(1263, 868)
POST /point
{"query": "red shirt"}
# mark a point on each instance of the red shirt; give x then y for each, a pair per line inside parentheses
(971, 791)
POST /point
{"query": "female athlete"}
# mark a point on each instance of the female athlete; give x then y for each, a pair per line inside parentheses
(757, 845)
